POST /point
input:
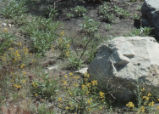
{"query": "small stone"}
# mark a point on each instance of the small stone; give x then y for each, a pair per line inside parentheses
(4, 24)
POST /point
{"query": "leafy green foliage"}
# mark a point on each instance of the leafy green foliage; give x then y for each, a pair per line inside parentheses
(45, 89)
(141, 32)
(89, 26)
(42, 33)
(14, 8)
(6, 40)
(109, 12)
(79, 11)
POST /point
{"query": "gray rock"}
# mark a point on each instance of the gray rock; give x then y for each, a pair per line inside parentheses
(150, 14)
(125, 61)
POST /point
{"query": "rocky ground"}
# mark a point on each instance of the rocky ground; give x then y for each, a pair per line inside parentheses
(44, 44)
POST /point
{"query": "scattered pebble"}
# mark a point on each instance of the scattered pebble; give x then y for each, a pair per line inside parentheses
(10, 25)
(4, 24)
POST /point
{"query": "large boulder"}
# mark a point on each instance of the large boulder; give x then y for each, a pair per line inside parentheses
(124, 63)
(150, 15)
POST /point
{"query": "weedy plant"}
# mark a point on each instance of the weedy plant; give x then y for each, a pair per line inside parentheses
(145, 102)
(64, 45)
(44, 89)
(13, 8)
(79, 11)
(82, 97)
(109, 12)
(106, 13)
(120, 12)
(89, 26)
(42, 33)
(143, 31)
(6, 40)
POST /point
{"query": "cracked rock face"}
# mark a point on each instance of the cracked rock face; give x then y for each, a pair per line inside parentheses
(150, 15)
(124, 60)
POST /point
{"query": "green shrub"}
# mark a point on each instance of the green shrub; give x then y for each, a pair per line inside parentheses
(42, 33)
(109, 12)
(13, 8)
(106, 12)
(6, 40)
(79, 11)
(89, 26)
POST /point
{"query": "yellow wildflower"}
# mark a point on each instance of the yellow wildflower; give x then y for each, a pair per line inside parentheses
(146, 98)
(23, 81)
(66, 108)
(143, 89)
(59, 99)
(76, 84)
(88, 85)
(86, 75)
(24, 73)
(26, 51)
(17, 86)
(36, 94)
(71, 74)
(100, 107)
(67, 53)
(94, 82)
(65, 83)
(151, 103)
(65, 76)
(22, 66)
(157, 107)
(149, 94)
(34, 84)
(130, 105)
(68, 45)
(17, 55)
(83, 86)
(62, 33)
(70, 93)
(89, 109)
(142, 109)
(5, 29)
(101, 94)
(19, 44)
(89, 101)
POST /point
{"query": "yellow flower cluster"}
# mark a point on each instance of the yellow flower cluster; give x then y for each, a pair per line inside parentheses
(78, 91)
(142, 109)
(89, 101)
(101, 94)
(151, 103)
(94, 82)
(130, 105)
(34, 84)
(18, 86)
(64, 45)
(146, 98)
